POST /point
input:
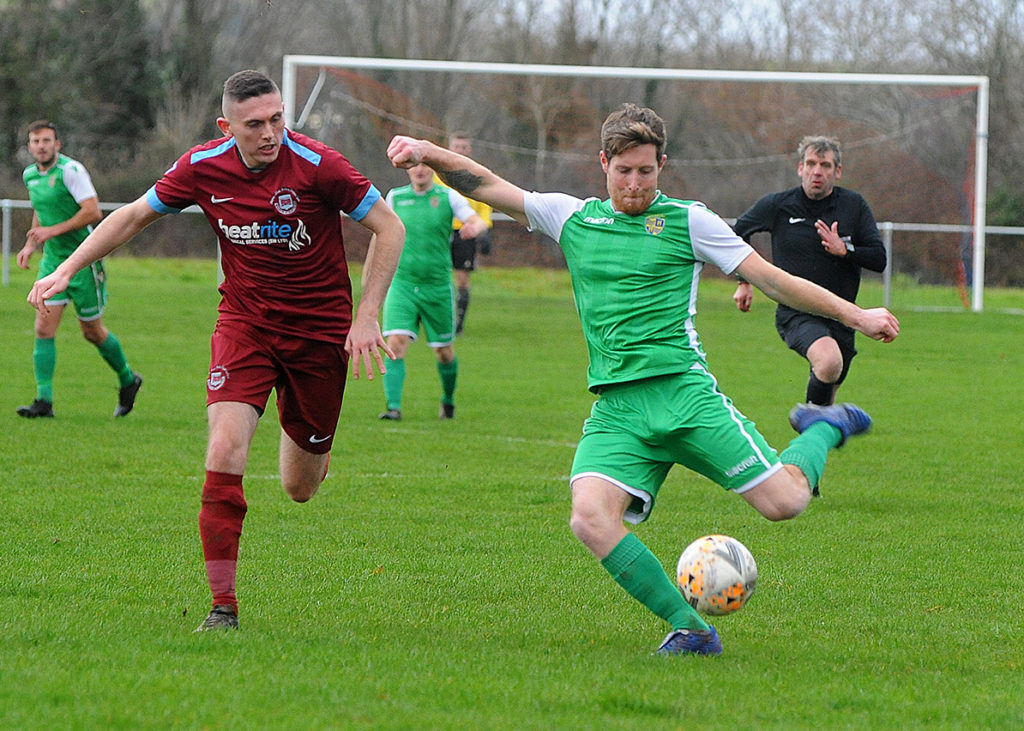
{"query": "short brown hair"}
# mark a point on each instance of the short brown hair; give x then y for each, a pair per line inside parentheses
(248, 84)
(43, 124)
(820, 144)
(631, 126)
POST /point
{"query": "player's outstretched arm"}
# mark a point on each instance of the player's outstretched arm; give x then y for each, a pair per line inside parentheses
(460, 173)
(87, 214)
(115, 230)
(365, 340)
(877, 323)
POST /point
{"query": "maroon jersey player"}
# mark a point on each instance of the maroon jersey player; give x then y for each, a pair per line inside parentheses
(285, 322)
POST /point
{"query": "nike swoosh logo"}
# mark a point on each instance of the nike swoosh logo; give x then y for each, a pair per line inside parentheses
(215, 199)
(316, 440)
(796, 220)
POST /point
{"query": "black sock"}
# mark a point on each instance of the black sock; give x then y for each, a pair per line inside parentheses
(819, 392)
(461, 305)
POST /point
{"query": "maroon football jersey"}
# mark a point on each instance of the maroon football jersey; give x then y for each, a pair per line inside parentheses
(279, 230)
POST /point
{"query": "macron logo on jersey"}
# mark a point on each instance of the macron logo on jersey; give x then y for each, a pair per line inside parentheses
(269, 233)
(602, 221)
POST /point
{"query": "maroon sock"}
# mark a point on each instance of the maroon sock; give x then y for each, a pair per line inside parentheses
(220, 527)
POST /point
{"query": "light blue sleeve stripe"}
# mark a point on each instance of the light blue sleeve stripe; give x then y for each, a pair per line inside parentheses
(218, 150)
(301, 150)
(371, 197)
(158, 205)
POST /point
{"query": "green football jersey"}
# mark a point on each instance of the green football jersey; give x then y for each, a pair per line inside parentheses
(635, 279)
(426, 256)
(55, 197)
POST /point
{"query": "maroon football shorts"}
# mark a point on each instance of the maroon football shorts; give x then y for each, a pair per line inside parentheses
(308, 375)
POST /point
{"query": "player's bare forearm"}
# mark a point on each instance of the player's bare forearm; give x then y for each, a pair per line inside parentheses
(365, 341)
(118, 229)
(801, 294)
(386, 242)
(461, 173)
(114, 231)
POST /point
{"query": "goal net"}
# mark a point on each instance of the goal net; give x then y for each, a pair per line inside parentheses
(914, 146)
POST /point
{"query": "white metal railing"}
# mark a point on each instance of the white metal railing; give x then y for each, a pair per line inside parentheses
(7, 205)
(886, 228)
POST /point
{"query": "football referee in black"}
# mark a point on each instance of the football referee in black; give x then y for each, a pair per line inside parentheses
(826, 234)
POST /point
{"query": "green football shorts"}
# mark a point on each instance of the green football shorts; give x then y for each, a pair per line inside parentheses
(638, 430)
(408, 306)
(87, 289)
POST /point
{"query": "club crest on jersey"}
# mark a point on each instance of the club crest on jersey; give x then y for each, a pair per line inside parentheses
(286, 201)
(218, 377)
(654, 225)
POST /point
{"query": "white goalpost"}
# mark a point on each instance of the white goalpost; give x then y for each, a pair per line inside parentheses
(292, 63)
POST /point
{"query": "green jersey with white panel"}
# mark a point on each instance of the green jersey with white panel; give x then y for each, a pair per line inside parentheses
(635, 278)
(426, 256)
(56, 196)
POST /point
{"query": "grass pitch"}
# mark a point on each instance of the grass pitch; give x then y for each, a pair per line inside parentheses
(433, 582)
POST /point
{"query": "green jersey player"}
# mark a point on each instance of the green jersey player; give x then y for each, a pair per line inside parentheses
(65, 207)
(635, 260)
(421, 292)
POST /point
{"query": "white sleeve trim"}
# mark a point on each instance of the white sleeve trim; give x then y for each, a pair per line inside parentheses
(548, 212)
(78, 182)
(460, 206)
(714, 241)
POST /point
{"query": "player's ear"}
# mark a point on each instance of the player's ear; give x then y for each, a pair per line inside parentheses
(604, 162)
(839, 171)
(222, 124)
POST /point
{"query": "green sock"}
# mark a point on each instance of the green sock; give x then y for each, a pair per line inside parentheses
(111, 351)
(809, 451)
(449, 374)
(394, 382)
(636, 570)
(44, 361)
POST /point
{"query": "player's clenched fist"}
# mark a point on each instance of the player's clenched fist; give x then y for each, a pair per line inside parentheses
(406, 152)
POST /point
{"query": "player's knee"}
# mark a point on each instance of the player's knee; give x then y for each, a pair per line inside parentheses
(399, 345)
(225, 454)
(588, 525)
(826, 360)
(783, 496)
(782, 511)
(301, 491)
(445, 354)
(788, 504)
(828, 372)
(96, 336)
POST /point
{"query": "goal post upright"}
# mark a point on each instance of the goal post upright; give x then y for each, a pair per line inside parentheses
(980, 196)
(291, 63)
